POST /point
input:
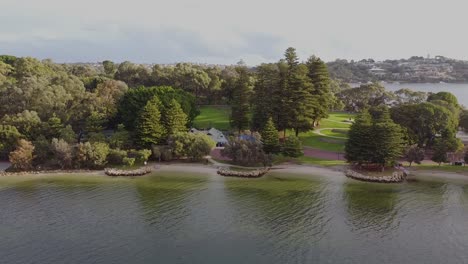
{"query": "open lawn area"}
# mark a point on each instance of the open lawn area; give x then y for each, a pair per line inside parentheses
(334, 130)
(213, 116)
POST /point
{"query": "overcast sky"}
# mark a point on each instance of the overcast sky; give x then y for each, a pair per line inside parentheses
(218, 31)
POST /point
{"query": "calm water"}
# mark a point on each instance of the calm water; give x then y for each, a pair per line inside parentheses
(460, 90)
(210, 219)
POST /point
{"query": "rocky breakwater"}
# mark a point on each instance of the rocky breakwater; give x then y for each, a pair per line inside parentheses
(243, 174)
(396, 177)
(136, 172)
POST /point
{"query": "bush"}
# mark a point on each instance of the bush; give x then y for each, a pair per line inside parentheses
(62, 151)
(116, 156)
(22, 157)
(190, 145)
(128, 161)
(246, 152)
(140, 156)
(292, 147)
(92, 155)
(166, 154)
(121, 138)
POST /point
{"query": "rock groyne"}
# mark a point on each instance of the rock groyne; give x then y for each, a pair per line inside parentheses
(137, 172)
(396, 177)
(243, 174)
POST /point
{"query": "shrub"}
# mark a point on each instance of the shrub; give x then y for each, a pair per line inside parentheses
(121, 138)
(414, 154)
(62, 153)
(166, 154)
(140, 156)
(190, 145)
(116, 156)
(92, 155)
(245, 152)
(128, 161)
(292, 147)
(22, 157)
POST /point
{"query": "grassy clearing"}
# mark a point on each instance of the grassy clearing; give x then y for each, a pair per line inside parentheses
(213, 116)
(307, 161)
(336, 120)
(342, 132)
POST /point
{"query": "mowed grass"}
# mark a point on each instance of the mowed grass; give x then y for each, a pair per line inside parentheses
(335, 120)
(213, 116)
(342, 132)
(310, 139)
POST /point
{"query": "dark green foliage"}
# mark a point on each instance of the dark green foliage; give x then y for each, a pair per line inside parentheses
(190, 145)
(440, 152)
(325, 99)
(121, 139)
(444, 96)
(96, 122)
(116, 156)
(91, 155)
(174, 118)
(240, 105)
(27, 122)
(135, 100)
(244, 152)
(464, 120)
(424, 121)
(263, 100)
(270, 138)
(465, 158)
(374, 140)
(140, 156)
(9, 136)
(414, 154)
(292, 147)
(53, 127)
(68, 134)
(150, 129)
(365, 96)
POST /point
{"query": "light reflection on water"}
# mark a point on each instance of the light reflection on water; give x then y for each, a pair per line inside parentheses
(210, 219)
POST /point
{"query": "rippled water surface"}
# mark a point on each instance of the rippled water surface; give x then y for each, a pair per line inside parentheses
(209, 219)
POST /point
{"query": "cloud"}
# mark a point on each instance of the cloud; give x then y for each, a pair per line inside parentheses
(215, 31)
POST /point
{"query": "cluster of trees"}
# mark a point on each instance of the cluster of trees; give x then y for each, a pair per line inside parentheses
(73, 116)
(258, 148)
(416, 122)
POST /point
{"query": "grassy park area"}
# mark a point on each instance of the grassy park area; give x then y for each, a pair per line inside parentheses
(216, 116)
(330, 135)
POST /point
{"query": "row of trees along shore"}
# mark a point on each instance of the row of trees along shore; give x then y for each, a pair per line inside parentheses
(410, 128)
(83, 116)
(73, 115)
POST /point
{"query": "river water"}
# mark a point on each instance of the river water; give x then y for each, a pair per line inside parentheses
(281, 218)
(460, 90)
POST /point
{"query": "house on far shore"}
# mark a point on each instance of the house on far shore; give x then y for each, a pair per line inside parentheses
(214, 134)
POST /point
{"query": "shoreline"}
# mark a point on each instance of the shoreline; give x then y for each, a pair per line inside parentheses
(211, 169)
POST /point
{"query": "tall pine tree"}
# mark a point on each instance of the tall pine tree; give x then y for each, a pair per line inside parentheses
(270, 137)
(320, 78)
(150, 129)
(300, 107)
(174, 118)
(240, 106)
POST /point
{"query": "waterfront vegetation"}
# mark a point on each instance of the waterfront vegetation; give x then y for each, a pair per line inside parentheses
(123, 115)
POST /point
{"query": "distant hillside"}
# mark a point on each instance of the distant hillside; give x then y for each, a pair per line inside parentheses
(414, 69)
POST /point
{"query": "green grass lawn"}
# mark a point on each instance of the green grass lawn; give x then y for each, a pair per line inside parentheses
(342, 132)
(213, 116)
(335, 120)
(310, 139)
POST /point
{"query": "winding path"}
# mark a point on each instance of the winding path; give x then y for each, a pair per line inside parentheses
(319, 132)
